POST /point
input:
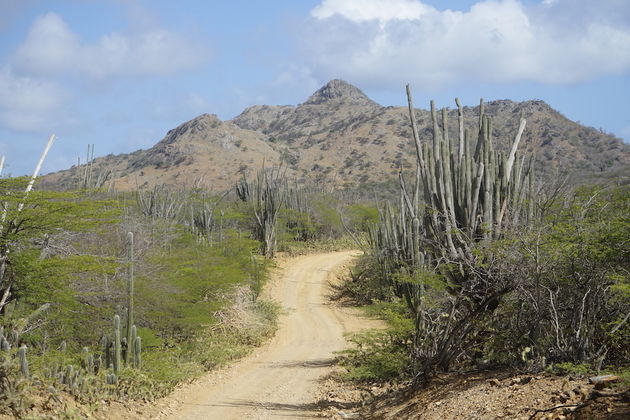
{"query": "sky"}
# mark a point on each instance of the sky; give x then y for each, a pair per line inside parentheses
(120, 73)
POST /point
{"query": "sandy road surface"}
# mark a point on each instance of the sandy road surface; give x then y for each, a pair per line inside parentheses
(280, 380)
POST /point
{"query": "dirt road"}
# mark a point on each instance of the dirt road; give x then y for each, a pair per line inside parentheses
(280, 380)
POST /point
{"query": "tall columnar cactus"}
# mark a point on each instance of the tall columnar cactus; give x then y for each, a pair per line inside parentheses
(161, 202)
(116, 345)
(106, 347)
(23, 361)
(4, 344)
(130, 284)
(267, 196)
(467, 196)
(137, 352)
(299, 219)
(461, 198)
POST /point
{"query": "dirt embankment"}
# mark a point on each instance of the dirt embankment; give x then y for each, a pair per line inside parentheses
(500, 395)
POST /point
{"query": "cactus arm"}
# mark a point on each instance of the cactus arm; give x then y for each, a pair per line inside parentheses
(517, 140)
(460, 120)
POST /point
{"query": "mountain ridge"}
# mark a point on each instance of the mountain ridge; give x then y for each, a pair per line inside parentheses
(337, 137)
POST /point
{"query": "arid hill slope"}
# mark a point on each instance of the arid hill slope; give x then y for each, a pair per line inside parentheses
(339, 137)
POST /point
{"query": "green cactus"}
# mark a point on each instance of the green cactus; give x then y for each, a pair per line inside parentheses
(90, 364)
(134, 333)
(68, 375)
(123, 350)
(4, 344)
(111, 379)
(105, 346)
(116, 345)
(468, 197)
(267, 196)
(87, 360)
(130, 284)
(137, 352)
(14, 335)
(23, 361)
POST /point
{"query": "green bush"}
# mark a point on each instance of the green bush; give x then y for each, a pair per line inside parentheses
(380, 355)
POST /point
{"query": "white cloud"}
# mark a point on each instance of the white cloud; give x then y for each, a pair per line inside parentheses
(30, 104)
(389, 42)
(52, 48)
(365, 10)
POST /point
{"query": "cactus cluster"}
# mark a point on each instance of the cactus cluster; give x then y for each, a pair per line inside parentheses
(461, 198)
(203, 221)
(78, 381)
(6, 346)
(89, 176)
(267, 195)
(299, 218)
(161, 203)
(119, 352)
(111, 379)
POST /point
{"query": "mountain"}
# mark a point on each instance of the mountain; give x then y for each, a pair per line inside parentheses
(338, 137)
(204, 151)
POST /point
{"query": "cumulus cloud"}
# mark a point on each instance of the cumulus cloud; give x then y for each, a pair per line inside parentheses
(52, 48)
(384, 42)
(30, 104)
(366, 10)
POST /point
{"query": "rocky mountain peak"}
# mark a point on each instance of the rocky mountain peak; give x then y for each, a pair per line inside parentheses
(338, 89)
(198, 124)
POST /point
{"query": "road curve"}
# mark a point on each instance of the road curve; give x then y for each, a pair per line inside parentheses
(281, 379)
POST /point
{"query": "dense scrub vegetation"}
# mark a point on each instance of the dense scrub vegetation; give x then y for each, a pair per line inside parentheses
(568, 303)
(489, 270)
(65, 277)
(198, 265)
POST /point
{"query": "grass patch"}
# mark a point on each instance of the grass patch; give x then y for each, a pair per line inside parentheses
(380, 355)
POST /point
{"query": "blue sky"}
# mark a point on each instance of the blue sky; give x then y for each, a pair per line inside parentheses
(119, 74)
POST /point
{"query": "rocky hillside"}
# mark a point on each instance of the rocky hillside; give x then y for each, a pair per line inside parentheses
(339, 136)
(204, 151)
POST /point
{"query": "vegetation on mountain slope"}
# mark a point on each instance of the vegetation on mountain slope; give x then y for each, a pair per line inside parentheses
(337, 138)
